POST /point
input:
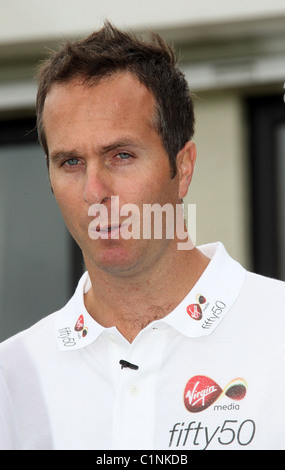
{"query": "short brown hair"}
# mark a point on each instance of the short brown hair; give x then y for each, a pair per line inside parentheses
(111, 50)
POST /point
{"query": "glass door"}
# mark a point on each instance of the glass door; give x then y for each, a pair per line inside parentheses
(267, 152)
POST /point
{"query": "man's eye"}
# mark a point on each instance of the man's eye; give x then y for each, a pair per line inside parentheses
(71, 162)
(123, 156)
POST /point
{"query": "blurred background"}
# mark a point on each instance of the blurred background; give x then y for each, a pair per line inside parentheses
(233, 55)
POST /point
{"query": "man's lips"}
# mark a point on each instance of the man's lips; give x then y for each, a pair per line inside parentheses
(108, 229)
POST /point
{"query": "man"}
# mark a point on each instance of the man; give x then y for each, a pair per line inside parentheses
(160, 347)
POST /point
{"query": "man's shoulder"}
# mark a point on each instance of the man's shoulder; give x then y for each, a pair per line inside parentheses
(260, 281)
(264, 290)
(34, 337)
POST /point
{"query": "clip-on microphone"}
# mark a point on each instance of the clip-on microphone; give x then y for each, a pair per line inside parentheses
(124, 363)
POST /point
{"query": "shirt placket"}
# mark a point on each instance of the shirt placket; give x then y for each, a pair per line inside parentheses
(135, 389)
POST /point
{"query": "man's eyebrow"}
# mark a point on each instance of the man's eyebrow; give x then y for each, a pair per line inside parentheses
(120, 143)
(59, 155)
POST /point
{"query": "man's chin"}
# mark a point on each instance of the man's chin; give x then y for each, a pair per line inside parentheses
(113, 258)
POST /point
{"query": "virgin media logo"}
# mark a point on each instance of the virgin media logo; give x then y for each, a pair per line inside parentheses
(201, 392)
(79, 326)
(195, 310)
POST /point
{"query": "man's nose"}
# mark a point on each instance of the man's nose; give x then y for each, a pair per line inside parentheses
(97, 185)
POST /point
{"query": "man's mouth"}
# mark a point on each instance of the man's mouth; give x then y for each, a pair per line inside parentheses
(108, 229)
(109, 232)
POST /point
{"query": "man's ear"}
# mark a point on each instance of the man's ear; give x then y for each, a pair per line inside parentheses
(186, 159)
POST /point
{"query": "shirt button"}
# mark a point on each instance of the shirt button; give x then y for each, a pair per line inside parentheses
(134, 390)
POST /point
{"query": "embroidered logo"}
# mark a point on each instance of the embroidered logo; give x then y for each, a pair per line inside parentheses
(201, 392)
(79, 326)
(195, 310)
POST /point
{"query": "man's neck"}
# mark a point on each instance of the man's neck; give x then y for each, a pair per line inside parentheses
(132, 302)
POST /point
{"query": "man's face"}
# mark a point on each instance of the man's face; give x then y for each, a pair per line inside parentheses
(102, 143)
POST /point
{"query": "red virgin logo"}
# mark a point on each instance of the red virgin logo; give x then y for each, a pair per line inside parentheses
(201, 392)
(195, 310)
(79, 326)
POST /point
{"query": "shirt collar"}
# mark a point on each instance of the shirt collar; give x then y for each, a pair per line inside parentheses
(212, 297)
(199, 313)
(75, 328)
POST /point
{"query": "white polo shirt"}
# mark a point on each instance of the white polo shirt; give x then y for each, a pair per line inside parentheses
(9, 439)
(211, 374)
